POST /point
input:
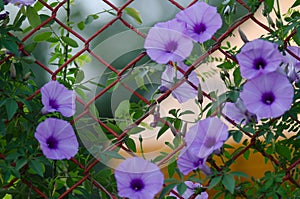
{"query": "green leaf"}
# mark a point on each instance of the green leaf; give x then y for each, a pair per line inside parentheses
(186, 112)
(90, 19)
(229, 182)
(297, 3)
(214, 181)
(81, 25)
(33, 17)
(130, 144)
(237, 76)
(37, 167)
(1, 5)
(171, 169)
(226, 65)
(134, 14)
(69, 41)
(10, 45)
(240, 174)
(162, 131)
(270, 4)
(79, 76)
(283, 151)
(296, 37)
(166, 190)
(11, 108)
(237, 135)
(181, 188)
(42, 36)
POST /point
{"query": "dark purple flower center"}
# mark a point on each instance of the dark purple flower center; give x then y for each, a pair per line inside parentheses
(199, 28)
(210, 142)
(198, 162)
(171, 46)
(52, 142)
(137, 184)
(268, 98)
(259, 63)
(53, 103)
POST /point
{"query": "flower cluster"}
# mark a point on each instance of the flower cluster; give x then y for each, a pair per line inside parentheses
(190, 190)
(172, 41)
(202, 139)
(268, 92)
(56, 137)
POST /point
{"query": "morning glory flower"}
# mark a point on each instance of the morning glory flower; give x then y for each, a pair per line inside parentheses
(188, 161)
(202, 21)
(238, 112)
(268, 95)
(291, 65)
(206, 136)
(259, 57)
(185, 91)
(22, 2)
(190, 190)
(166, 42)
(138, 178)
(57, 139)
(56, 97)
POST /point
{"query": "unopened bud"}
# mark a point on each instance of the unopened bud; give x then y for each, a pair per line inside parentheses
(243, 36)
(225, 2)
(26, 76)
(12, 70)
(227, 10)
(200, 94)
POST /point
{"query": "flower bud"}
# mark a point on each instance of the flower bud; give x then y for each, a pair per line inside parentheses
(243, 36)
(13, 72)
(26, 76)
(227, 10)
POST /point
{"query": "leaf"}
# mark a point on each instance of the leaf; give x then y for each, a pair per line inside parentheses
(130, 144)
(33, 17)
(11, 108)
(181, 188)
(296, 37)
(270, 4)
(283, 151)
(134, 14)
(166, 190)
(237, 76)
(229, 182)
(240, 174)
(1, 5)
(42, 36)
(214, 181)
(79, 76)
(81, 25)
(162, 131)
(186, 112)
(171, 169)
(226, 65)
(10, 45)
(237, 135)
(37, 167)
(69, 41)
(297, 3)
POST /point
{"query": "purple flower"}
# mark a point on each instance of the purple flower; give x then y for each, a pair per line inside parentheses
(259, 57)
(188, 161)
(185, 91)
(22, 2)
(268, 95)
(291, 65)
(206, 136)
(238, 112)
(138, 178)
(202, 21)
(166, 42)
(56, 97)
(191, 188)
(57, 139)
